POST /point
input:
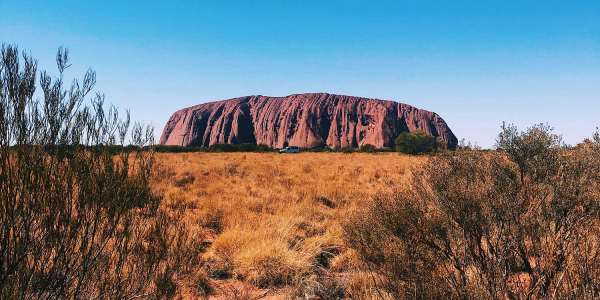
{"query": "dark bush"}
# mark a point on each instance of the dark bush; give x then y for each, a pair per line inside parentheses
(347, 150)
(417, 142)
(368, 148)
(320, 149)
(176, 149)
(245, 147)
(522, 222)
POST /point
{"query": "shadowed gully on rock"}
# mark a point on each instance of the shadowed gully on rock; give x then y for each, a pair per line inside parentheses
(303, 120)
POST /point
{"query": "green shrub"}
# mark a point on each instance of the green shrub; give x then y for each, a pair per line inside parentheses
(245, 147)
(320, 149)
(415, 143)
(367, 148)
(347, 150)
(177, 149)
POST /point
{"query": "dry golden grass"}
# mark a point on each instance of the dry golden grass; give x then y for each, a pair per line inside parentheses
(269, 220)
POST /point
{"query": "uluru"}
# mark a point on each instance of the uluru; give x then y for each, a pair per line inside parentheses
(304, 120)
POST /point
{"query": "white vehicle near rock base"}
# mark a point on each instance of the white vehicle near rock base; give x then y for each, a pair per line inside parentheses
(290, 149)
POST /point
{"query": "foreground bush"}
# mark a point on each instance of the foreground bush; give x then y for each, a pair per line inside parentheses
(521, 223)
(77, 220)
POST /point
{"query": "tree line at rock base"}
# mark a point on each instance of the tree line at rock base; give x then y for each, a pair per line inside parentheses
(413, 143)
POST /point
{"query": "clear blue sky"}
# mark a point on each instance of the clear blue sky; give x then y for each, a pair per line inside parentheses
(476, 63)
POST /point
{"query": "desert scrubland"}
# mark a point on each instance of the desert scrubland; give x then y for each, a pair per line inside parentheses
(521, 222)
(90, 209)
(269, 223)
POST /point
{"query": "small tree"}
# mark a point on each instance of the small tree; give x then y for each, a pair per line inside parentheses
(417, 142)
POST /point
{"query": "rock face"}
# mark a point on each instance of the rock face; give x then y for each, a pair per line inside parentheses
(304, 120)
